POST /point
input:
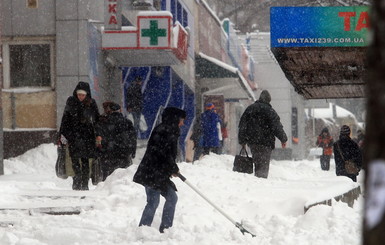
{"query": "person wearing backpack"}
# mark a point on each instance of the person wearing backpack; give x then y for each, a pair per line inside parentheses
(116, 140)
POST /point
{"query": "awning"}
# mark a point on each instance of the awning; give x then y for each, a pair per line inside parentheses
(218, 77)
(324, 72)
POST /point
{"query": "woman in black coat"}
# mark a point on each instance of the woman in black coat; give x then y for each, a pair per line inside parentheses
(78, 127)
(158, 165)
(349, 150)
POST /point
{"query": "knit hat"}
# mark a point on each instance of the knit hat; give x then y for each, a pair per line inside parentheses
(114, 106)
(81, 91)
(209, 106)
(345, 130)
(265, 96)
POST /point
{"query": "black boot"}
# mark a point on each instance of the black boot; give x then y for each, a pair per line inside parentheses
(76, 184)
(84, 182)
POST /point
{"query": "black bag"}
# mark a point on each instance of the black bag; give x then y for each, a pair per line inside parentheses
(60, 166)
(243, 163)
(96, 171)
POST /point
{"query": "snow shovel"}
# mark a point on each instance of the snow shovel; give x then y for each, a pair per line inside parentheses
(238, 225)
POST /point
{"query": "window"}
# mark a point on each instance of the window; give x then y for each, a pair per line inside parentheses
(28, 65)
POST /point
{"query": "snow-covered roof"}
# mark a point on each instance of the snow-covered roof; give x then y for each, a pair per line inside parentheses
(328, 112)
(219, 63)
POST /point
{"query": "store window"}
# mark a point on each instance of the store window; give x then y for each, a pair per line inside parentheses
(29, 65)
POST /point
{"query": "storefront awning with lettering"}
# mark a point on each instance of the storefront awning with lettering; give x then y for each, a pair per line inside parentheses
(217, 77)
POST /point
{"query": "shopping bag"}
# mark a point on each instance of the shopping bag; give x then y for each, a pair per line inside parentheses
(60, 166)
(143, 124)
(351, 167)
(96, 171)
(243, 163)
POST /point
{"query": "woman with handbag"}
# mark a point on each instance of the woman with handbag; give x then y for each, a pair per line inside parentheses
(78, 128)
(345, 149)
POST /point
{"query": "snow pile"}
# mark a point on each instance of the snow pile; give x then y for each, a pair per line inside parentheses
(271, 208)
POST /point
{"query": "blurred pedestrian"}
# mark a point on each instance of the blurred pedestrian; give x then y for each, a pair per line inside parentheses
(258, 127)
(346, 149)
(325, 141)
(158, 165)
(134, 101)
(78, 127)
(210, 124)
(196, 137)
(116, 139)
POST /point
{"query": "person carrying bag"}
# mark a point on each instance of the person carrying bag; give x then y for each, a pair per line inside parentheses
(347, 155)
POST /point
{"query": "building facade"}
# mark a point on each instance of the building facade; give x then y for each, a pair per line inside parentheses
(49, 46)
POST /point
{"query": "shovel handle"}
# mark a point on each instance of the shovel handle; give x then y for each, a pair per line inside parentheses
(181, 177)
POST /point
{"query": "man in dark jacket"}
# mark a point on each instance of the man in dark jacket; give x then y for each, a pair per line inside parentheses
(346, 149)
(158, 165)
(116, 139)
(134, 101)
(258, 127)
(78, 127)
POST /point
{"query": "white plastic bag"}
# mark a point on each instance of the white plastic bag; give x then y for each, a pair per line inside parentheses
(142, 123)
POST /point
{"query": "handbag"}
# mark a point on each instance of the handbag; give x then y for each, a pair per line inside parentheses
(243, 163)
(96, 171)
(350, 165)
(62, 156)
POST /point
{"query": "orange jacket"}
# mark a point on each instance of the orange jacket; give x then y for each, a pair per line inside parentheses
(326, 143)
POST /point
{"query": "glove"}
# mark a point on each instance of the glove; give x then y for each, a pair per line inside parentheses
(283, 145)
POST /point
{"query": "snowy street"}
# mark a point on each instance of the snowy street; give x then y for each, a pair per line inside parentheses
(272, 209)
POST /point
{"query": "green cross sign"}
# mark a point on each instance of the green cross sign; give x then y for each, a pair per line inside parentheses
(153, 33)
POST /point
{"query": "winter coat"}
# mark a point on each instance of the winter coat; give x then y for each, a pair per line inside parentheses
(118, 136)
(259, 125)
(326, 143)
(210, 132)
(159, 160)
(134, 97)
(350, 151)
(78, 123)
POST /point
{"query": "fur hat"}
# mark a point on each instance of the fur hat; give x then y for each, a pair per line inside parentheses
(81, 91)
(345, 130)
(114, 106)
(172, 115)
(265, 96)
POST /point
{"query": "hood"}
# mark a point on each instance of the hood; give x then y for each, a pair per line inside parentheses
(83, 86)
(265, 96)
(172, 115)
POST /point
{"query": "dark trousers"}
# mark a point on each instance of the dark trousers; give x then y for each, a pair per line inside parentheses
(261, 158)
(136, 116)
(81, 169)
(325, 162)
(168, 213)
(197, 152)
(206, 150)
